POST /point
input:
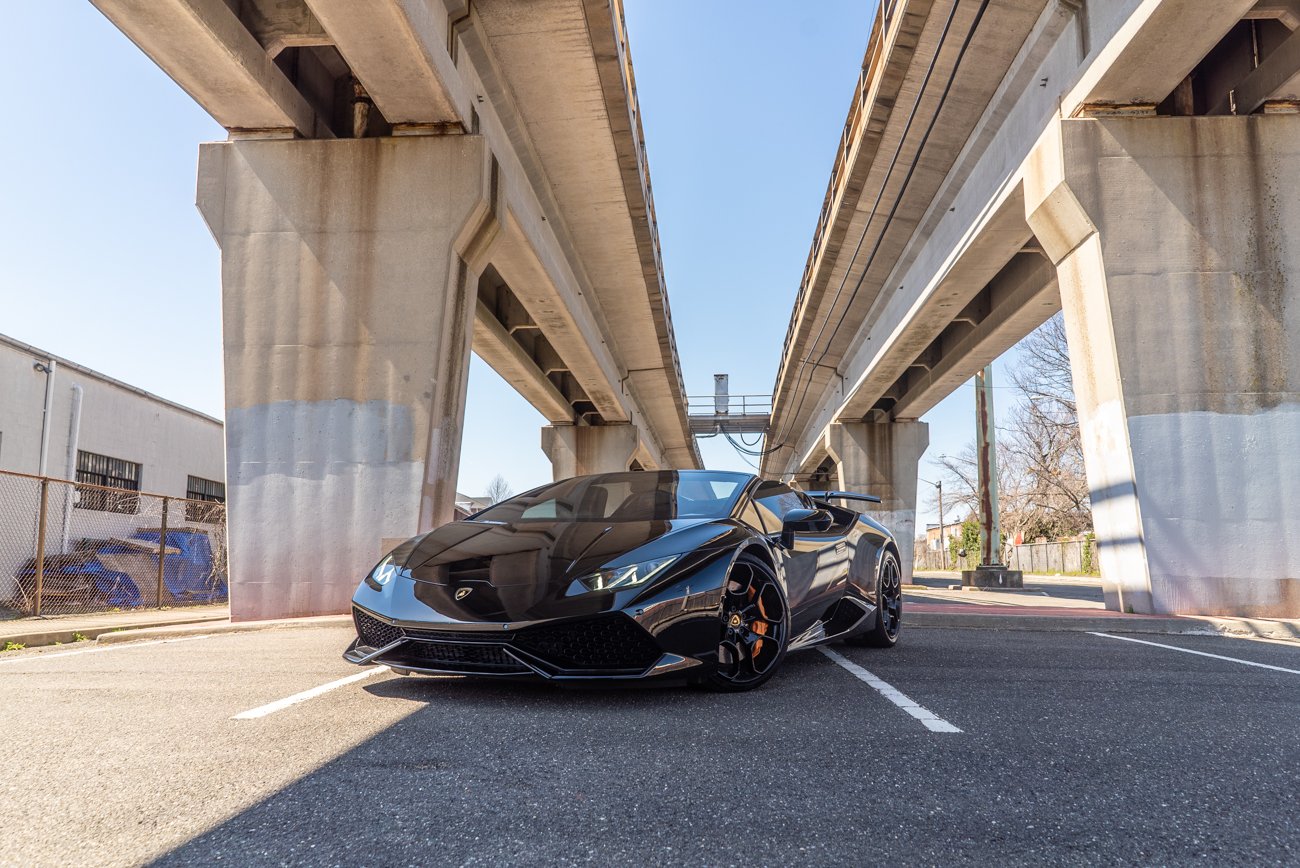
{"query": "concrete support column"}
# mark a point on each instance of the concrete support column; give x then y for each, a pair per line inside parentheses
(881, 458)
(1177, 244)
(347, 314)
(577, 450)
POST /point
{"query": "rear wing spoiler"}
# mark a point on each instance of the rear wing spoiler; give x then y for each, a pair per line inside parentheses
(846, 495)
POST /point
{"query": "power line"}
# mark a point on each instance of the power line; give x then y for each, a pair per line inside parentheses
(897, 200)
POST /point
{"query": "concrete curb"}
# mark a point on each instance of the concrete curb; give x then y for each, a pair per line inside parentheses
(1186, 626)
(222, 627)
(68, 635)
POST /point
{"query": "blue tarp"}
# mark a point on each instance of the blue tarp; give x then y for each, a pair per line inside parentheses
(187, 574)
(116, 589)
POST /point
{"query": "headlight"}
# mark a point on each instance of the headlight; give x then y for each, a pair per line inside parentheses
(383, 573)
(392, 565)
(629, 576)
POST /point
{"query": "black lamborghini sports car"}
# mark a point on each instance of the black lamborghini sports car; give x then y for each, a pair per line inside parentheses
(699, 575)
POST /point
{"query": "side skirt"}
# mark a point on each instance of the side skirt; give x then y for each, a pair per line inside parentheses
(817, 635)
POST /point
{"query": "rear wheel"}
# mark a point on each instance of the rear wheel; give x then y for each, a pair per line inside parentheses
(755, 627)
(889, 607)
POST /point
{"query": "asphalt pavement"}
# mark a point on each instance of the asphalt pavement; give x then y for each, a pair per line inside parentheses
(1069, 748)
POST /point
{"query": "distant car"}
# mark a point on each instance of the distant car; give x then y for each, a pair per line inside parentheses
(702, 575)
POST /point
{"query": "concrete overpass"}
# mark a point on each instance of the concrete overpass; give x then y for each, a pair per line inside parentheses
(405, 180)
(1131, 161)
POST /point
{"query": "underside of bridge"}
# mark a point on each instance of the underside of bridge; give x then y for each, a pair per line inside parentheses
(406, 181)
(1129, 162)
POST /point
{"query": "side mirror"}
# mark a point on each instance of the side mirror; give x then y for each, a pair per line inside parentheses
(804, 521)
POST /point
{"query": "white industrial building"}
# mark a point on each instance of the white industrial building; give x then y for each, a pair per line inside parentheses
(65, 421)
(102, 429)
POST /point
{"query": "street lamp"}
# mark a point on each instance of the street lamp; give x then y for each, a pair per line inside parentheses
(943, 542)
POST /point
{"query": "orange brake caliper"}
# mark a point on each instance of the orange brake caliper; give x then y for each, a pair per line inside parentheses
(760, 628)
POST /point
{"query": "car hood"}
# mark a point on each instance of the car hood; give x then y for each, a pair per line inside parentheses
(549, 553)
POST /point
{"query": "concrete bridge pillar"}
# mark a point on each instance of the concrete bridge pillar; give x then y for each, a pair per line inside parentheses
(577, 450)
(881, 458)
(347, 309)
(1177, 245)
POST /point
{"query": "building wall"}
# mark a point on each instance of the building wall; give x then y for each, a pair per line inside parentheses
(933, 538)
(169, 441)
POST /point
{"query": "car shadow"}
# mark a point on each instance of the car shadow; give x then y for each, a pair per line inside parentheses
(489, 772)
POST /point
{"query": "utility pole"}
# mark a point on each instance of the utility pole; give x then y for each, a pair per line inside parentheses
(943, 539)
(47, 368)
(987, 446)
(943, 529)
(991, 572)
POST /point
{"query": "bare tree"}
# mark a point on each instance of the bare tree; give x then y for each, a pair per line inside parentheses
(1044, 442)
(498, 489)
(961, 486)
(1042, 489)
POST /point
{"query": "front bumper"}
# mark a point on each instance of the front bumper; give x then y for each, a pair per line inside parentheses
(609, 646)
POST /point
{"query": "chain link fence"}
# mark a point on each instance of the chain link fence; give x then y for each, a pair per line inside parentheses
(1073, 557)
(69, 547)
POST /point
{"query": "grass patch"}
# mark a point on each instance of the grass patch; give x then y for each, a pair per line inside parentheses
(14, 646)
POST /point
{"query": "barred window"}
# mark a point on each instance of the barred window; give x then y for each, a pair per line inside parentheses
(206, 491)
(114, 473)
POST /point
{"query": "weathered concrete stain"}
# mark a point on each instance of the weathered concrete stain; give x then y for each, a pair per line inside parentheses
(346, 346)
(1196, 269)
(313, 487)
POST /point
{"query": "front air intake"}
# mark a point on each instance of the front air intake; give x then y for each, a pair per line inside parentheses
(374, 632)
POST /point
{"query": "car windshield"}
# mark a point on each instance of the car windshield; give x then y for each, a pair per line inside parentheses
(618, 497)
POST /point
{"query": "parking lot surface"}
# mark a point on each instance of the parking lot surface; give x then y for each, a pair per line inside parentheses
(1063, 747)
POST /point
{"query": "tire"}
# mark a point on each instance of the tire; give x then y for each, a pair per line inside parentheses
(755, 635)
(889, 607)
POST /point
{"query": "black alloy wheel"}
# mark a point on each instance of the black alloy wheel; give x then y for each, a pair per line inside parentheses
(889, 608)
(755, 627)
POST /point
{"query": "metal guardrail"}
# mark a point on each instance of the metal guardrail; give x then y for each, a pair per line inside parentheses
(850, 137)
(729, 405)
(70, 547)
(729, 414)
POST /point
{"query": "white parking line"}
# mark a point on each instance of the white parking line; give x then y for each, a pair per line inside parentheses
(281, 704)
(929, 719)
(30, 658)
(1198, 653)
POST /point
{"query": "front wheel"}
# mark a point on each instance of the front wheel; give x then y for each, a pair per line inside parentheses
(889, 607)
(755, 627)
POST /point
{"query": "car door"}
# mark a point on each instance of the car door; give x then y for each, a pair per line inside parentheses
(815, 566)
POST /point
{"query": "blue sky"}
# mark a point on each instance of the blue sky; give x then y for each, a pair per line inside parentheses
(105, 260)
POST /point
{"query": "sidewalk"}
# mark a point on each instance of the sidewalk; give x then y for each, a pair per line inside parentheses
(64, 629)
(1064, 603)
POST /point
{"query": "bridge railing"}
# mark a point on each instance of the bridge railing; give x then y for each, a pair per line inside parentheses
(643, 166)
(852, 127)
(729, 405)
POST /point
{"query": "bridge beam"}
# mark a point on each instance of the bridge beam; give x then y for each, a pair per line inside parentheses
(399, 51)
(1177, 244)
(348, 288)
(204, 47)
(882, 458)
